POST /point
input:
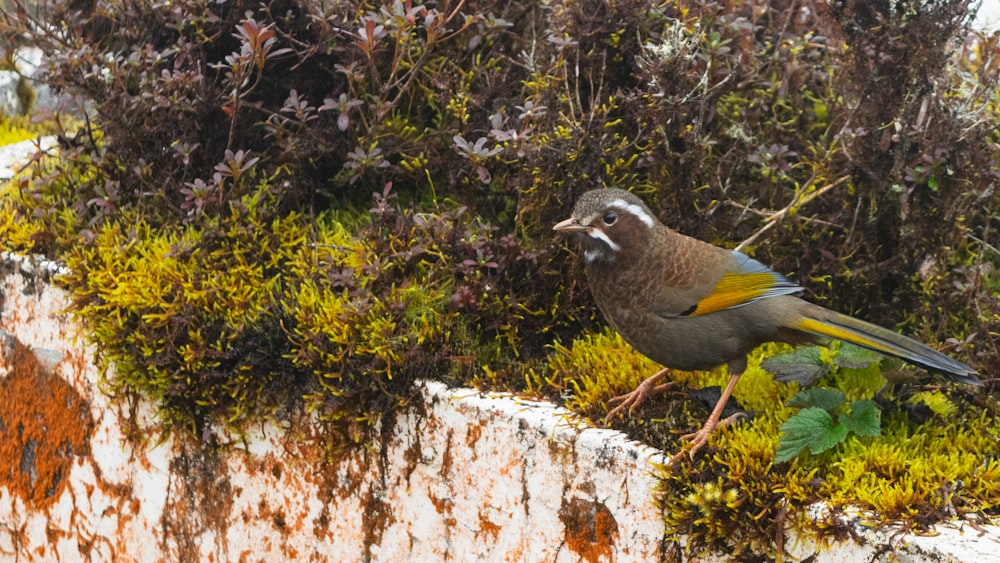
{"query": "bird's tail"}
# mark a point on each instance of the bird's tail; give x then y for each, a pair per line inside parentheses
(823, 322)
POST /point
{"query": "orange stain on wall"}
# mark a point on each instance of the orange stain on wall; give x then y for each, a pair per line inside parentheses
(44, 425)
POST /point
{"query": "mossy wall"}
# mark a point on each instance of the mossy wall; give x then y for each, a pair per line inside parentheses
(458, 476)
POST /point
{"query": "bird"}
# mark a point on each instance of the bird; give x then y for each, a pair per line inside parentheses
(692, 306)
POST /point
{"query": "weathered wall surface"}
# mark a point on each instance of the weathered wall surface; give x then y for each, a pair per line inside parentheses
(464, 477)
(460, 477)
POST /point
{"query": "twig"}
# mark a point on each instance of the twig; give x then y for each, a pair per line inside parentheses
(777, 216)
(985, 244)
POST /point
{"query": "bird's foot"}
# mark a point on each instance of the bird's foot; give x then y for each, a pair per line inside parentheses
(637, 396)
(700, 438)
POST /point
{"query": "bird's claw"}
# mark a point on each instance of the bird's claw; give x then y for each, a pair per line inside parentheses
(637, 396)
(700, 438)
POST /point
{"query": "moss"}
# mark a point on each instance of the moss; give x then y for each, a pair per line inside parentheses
(178, 315)
(13, 131)
(593, 369)
(213, 323)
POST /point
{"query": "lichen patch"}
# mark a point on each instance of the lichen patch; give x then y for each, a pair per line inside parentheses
(44, 426)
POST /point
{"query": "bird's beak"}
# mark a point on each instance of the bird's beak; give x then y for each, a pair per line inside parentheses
(570, 225)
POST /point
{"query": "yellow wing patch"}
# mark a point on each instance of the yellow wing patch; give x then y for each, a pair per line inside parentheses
(735, 289)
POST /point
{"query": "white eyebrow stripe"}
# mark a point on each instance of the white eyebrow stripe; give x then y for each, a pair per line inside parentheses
(601, 235)
(634, 210)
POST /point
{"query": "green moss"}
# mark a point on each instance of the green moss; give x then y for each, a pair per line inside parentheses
(591, 370)
(937, 402)
(25, 231)
(14, 132)
(223, 322)
(913, 473)
(172, 310)
(359, 341)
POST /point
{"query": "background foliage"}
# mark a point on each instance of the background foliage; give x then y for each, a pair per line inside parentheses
(329, 199)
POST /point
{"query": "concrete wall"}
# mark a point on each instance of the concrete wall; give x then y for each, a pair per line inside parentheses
(461, 476)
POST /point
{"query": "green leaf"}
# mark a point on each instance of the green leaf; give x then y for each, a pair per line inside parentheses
(864, 418)
(855, 357)
(812, 427)
(833, 436)
(804, 365)
(827, 399)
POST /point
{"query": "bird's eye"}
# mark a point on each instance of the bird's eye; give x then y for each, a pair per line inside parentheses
(610, 218)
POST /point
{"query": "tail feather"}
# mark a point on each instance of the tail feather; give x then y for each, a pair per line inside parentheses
(823, 322)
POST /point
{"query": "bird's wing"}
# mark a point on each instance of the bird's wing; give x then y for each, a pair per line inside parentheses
(743, 280)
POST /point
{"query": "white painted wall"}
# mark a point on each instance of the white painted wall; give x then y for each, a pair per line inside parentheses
(988, 16)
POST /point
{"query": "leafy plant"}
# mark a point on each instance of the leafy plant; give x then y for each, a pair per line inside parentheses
(825, 420)
(807, 364)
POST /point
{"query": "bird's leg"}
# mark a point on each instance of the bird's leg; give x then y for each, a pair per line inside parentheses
(700, 438)
(637, 396)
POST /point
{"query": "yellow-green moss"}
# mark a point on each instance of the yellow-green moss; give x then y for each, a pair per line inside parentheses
(14, 131)
(593, 369)
(235, 318)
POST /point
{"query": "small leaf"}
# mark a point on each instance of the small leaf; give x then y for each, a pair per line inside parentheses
(804, 365)
(827, 399)
(864, 419)
(828, 439)
(855, 357)
(802, 430)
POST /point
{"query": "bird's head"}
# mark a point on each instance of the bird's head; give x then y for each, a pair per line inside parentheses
(615, 224)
